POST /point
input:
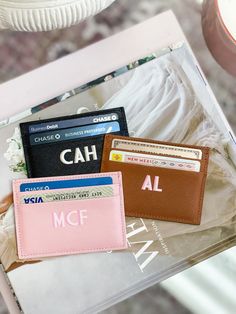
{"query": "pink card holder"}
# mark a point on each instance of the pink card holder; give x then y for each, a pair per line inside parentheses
(71, 220)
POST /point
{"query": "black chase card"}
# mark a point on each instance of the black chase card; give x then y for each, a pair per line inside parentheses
(69, 145)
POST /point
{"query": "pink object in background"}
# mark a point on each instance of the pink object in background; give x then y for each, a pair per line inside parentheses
(70, 226)
(219, 29)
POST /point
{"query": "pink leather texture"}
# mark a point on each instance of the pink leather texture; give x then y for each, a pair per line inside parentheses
(71, 226)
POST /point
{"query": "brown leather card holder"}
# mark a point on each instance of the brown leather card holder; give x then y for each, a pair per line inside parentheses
(159, 192)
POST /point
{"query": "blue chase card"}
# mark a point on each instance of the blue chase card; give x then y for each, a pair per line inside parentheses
(63, 184)
(74, 133)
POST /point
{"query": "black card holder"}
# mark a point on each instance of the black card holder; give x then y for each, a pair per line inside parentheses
(77, 156)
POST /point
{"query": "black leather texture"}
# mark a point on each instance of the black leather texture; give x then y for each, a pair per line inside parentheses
(68, 157)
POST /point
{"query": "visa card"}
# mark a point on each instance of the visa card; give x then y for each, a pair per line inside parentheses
(155, 160)
(83, 193)
(64, 184)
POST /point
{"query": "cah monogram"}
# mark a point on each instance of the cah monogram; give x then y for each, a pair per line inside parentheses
(68, 157)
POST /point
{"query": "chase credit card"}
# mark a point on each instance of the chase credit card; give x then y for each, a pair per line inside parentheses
(64, 184)
(74, 133)
(69, 123)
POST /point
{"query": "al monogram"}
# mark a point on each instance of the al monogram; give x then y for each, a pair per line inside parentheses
(69, 156)
(147, 184)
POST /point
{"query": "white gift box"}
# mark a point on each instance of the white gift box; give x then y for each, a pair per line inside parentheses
(92, 282)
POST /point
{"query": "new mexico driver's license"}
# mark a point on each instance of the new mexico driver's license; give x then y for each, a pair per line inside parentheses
(138, 146)
(155, 160)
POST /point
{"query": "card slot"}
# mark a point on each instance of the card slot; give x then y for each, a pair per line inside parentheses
(82, 139)
(160, 193)
(203, 161)
(73, 201)
(68, 202)
(76, 139)
(156, 154)
(71, 127)
(80, 156)
(110, 137)
(66, 189)
(119, 111)
(40, 193)
(205, 150)
(71, 227)
(125, 165)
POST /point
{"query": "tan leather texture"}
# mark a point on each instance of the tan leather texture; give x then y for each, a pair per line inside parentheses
(181, 195)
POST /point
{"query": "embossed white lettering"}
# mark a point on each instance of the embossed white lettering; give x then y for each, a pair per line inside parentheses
(92, 153)
(62, 157)
(88, 155)
(73, 218)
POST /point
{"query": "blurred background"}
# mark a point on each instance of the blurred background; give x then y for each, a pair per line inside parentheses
(22, 52)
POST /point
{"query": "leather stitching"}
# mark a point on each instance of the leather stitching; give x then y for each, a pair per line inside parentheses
(204, 162)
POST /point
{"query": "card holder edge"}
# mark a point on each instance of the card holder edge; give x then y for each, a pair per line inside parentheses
(196, 213)
(17, 207)
(206, 150)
